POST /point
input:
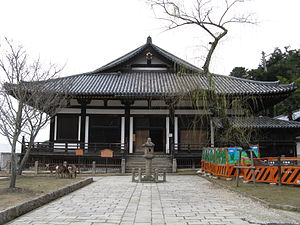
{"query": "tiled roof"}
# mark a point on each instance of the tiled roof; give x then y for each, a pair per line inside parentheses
(109, 81)
(159, 84)
(258, 122)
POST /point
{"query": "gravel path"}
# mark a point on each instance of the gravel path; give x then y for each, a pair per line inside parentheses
(181, 200)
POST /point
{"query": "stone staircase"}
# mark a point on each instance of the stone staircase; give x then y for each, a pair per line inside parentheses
(159, 161)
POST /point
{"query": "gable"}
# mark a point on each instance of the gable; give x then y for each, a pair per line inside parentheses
(148, 57)
(148, 60)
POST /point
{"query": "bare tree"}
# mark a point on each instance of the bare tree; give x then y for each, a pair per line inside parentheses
(42, 105)
(213, 17)
(210, 16)
(17, 72)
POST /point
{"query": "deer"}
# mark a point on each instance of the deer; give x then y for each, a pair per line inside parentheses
(61, 171)
(72, 171)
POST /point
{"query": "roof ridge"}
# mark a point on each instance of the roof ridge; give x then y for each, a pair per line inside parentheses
(129, 54)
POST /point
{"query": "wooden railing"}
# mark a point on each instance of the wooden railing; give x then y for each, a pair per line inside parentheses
(71, 147)
(187, 148)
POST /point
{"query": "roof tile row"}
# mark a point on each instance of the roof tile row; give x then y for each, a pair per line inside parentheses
(160, 84)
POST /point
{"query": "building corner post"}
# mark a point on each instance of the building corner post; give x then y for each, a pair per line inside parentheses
(212, 134)
(171, 103)
(83, 103)
(127, 132)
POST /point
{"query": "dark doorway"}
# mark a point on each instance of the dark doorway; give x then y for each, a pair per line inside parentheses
(158, 138)
(150, 126)
(105, 129)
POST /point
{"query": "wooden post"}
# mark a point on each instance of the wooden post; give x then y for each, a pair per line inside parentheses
(133, 175)
(171, 127)
(83, 104)
(174, 166)
(252, 165)
(123, 165)
(94, 168)
(140, 175)
(127, 104)
(238, 169)
(227, 162)
(212, 134)
(156, 175)
(279, 171)
(36, 166)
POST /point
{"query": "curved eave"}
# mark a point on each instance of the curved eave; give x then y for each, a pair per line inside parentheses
(259, 123)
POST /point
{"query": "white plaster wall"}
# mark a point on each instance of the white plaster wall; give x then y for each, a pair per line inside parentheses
(96, 103)
(114, 103)
(70, 111)
(140, 103)
(158, 103)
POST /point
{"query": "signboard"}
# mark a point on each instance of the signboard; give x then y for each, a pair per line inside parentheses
(106, 153)
(79, 152)
(228, 155)
(233, 154)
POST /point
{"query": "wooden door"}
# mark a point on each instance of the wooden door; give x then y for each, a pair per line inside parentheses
(140, 139)
(194, 138)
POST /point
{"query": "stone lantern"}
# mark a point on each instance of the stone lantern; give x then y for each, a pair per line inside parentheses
(149, 150)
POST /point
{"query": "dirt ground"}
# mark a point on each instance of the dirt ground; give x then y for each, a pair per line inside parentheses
(29, 187)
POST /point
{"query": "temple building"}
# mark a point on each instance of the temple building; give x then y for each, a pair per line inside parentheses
(146, 93)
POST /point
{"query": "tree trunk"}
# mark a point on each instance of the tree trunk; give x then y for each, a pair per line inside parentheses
(26, 156)
(13, 177)
(24, 160)
(17, 132)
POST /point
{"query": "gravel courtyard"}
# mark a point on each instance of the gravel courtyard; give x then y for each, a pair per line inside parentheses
(181, 200)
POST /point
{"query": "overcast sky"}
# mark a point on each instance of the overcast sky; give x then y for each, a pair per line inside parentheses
(85, 35)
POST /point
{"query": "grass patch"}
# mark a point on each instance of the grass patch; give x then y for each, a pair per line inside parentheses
(273, 194)
(29, 187)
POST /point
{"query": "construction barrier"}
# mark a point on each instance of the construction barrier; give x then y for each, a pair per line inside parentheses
(285, 170)
(282, 170)
(227, 171)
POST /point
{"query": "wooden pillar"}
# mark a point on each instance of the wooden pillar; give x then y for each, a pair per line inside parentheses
(127, 104)
(52, 124)
(171, 129)
(82, 123)
(127, 123)
(168, 143)
(130, 144)
(87, 125)
(83, 103)
(171, 103)
(176, 134)
(212, 134)
(55, 128)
